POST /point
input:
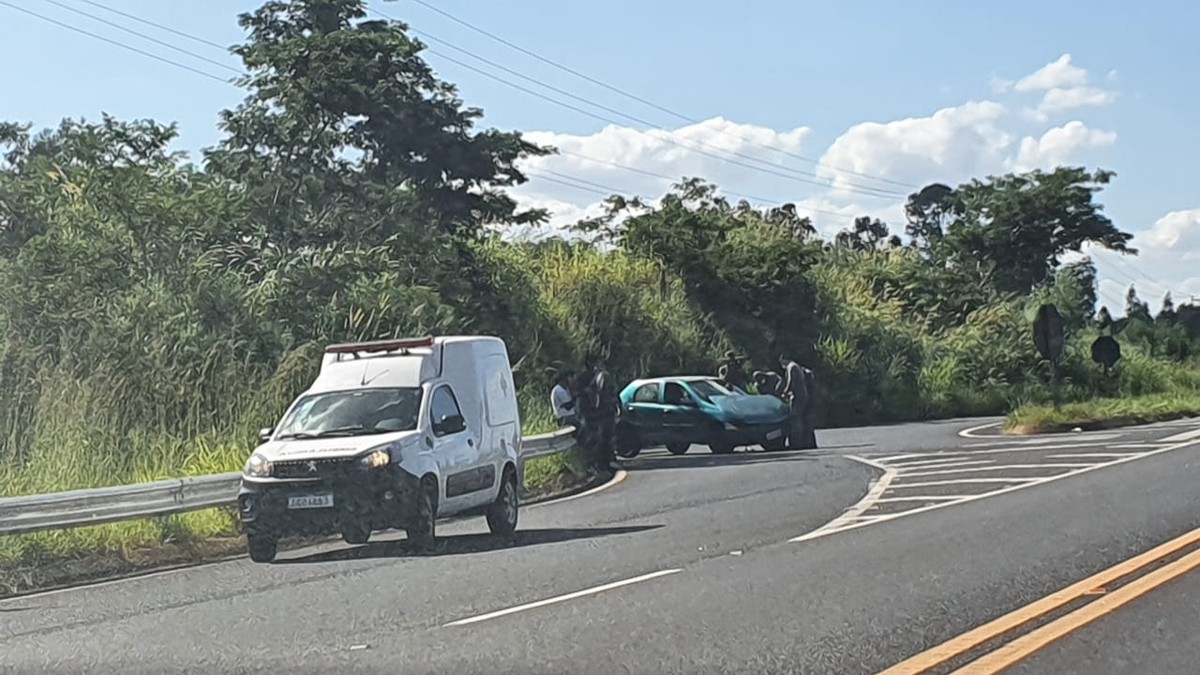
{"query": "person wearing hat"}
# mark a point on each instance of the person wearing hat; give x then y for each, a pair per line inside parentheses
(731, 372)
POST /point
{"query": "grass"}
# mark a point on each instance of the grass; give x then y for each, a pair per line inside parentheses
(1103, 413)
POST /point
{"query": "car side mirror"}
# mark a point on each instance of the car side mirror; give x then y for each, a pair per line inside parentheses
(265, 434)
(450, 424)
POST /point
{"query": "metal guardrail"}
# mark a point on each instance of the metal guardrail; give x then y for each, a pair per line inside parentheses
(77, 508)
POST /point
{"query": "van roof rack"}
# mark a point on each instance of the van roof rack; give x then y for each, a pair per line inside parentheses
(379, 345)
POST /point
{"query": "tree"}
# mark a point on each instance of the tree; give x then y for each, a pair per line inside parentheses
(865, 235)
(1136, 309)
(347, 134)
(1022, 224)
(927, 212)
(1167, 314)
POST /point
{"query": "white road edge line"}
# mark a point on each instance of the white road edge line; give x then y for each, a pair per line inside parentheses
(963, 481)
(972, 469)
(874, 492)
(1185, 436)
(1011, 488)
(561, 598)
(970, 433)
(1101, 455)
(921, 498)
(949, 463)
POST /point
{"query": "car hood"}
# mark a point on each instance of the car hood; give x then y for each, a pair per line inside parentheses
(751, 409)
(331, 448)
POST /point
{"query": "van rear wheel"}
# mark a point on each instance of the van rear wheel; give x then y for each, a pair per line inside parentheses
(502, 514)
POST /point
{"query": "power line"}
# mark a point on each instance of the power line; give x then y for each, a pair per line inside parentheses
(667, 138)
(866, 190)
(577, 182)
(652, 174)
(122, 45)
(168, 45)
(159, 26)
(639, 99)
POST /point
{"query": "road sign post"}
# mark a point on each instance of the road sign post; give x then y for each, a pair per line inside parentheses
(1050, 339)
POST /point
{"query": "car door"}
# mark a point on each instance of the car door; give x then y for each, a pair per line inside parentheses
(456, 450)
(682, 418)
(645, 412)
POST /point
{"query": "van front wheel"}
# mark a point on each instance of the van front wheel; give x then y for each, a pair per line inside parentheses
(502, 514)
(423, 530)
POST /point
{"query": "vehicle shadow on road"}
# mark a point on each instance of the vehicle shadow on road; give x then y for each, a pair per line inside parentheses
(702, 458)
(463, 544)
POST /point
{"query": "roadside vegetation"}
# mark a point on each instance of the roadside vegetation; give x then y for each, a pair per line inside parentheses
(156, 310)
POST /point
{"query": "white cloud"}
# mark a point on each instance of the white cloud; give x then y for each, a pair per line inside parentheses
(1064, 86)
(1168, 260)
(950, 145)
(958, 141)
(1059, 146)
(1058, 74)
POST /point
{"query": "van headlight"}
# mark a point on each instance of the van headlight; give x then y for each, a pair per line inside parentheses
(376, 458)
(258, 466)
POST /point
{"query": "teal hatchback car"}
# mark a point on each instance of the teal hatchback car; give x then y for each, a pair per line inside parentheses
(681, 411)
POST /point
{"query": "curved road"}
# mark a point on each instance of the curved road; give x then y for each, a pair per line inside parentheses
(880, 546)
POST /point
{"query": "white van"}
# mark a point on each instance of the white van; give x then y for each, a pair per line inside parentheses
(391, 434)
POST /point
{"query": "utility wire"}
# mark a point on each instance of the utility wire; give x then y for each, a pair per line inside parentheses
(155, 40)
(639, 99)
(866, 190)
(122, 45)
(793, 174)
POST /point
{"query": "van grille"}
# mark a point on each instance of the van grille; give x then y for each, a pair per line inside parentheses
(313, 468)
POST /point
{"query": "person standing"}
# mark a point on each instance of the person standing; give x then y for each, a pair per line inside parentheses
(795, 394)
(731, 371)
(562, 401)
(810, 410)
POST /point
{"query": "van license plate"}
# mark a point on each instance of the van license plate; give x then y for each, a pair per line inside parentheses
(311, 502)
(772, 435)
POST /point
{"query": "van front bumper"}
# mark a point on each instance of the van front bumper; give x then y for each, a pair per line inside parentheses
(380, 499)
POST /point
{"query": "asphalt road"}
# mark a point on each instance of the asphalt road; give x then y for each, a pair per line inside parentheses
(745, 563)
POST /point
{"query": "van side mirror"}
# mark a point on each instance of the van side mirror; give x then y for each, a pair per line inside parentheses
(265, 433)
(450, 424)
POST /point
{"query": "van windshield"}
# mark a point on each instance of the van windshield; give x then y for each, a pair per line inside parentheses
(356, 412)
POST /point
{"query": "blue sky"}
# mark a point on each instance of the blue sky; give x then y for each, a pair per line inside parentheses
(763, 68)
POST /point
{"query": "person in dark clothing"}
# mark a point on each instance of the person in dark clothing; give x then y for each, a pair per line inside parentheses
(795, 394)
(768, 383)
(597, 405)
(810, 410)
(731, 372)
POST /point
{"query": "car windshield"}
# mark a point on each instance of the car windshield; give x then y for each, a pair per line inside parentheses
(356, 412)
(707, 389)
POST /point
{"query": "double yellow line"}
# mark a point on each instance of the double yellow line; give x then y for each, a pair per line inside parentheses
(1024, 646)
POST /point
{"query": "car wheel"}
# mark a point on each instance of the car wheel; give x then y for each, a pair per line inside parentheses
(423, 530)
(721, 447)
(262, 547)
(678, 448)
(502, 514)
(356, 534)
(777, 444)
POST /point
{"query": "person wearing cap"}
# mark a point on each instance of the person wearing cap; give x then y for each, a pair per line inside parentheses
(731, 372)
